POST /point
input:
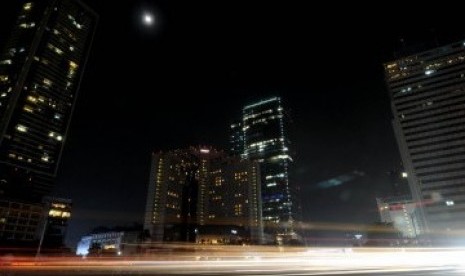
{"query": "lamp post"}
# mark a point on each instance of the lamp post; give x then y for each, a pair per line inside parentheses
(44, 229)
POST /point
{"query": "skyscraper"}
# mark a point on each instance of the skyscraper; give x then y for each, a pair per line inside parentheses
(427, 92)
(197, 187)
(40, 71)
(265, 141)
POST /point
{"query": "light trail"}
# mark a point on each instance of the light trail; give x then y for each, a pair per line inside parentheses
(272, 260)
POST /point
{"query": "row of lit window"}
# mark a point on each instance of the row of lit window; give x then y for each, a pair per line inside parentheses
(282, 156)
(216, 198)
(254, 115)
(172, 206)
(23, 128)
(59, 205)
(6, 62)
(4, 78)
(55, 49)
(173, 194)
(59, 213)
(281, 175)
(74, 22)
(265, 120)
(19, 157)
(27, 25)
(219, 181)
(428, 70)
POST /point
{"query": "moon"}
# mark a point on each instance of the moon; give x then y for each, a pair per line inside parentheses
(148, 19)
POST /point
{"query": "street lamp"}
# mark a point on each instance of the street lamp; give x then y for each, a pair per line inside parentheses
(44, 228)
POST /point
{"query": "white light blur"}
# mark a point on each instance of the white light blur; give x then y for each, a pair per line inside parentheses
(148, 19)
(429, 72)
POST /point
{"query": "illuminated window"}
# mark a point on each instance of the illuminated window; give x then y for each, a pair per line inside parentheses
(55, 49)
(73, 65)
(58, 205)
(73, 20)
(32, 99)
(27, 108)
(27, 6)
(429, 72)
(47, 82)
(45, 158)
(27, 25)
(21, 128)
(55, 213)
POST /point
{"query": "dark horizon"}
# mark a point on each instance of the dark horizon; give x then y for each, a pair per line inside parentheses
(184, 81)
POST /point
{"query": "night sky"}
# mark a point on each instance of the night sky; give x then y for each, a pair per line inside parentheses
(184, 80)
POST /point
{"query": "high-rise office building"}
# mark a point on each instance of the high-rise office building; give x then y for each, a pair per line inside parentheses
(264, 141)
(40, 71)
(196, 187)
(427, 91)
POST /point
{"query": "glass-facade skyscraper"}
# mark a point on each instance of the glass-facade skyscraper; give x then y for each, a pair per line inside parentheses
(264, 140)
(40, 71)
(427, 91)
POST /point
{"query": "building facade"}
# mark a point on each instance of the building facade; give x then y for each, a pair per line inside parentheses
(55, 221)
(111, 243)
(427, 92)
(40, 71)
(265, 141)
(402, 213)
(195, 187)
(236, 139)
(20, 221)
(234, 195)
(31, 224)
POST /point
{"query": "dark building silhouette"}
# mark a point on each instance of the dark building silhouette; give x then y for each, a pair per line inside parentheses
(55, 222)
(41, 68)
(236, 139)
(398, 179)
(193, 188)
(188, 210)
(40, 71)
